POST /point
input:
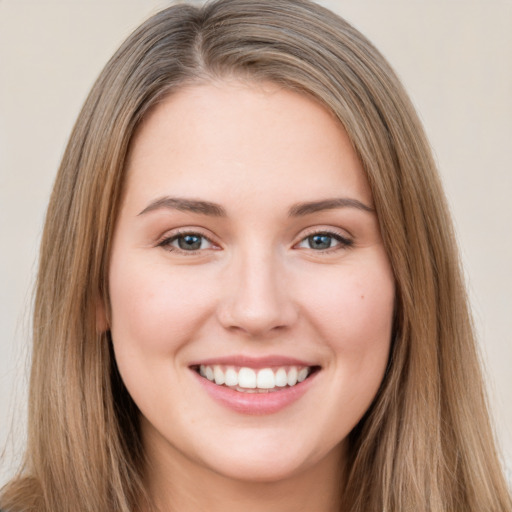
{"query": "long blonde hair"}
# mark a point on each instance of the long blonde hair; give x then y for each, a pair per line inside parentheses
(426, 443)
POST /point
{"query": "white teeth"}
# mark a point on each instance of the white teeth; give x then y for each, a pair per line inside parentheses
(281, 378)
(218, 375)
(292, 376)
(266, 379)
(247, 379)
(231, 377)
(303, 373)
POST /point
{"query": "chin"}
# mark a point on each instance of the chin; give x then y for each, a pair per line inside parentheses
(272, 462)
(260, 470)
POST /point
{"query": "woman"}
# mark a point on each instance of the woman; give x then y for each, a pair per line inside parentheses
(249, 293)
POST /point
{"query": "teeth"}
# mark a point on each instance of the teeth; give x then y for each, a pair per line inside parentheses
(218, 375)
(281, 378)
(231, 377)
(252, 381)
(247, 378)
(292, 376)
(303, 373)
(266, 379)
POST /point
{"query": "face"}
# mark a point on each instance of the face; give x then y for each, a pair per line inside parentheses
(251, 295)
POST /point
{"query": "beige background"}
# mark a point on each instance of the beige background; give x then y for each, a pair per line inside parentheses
(454, 56)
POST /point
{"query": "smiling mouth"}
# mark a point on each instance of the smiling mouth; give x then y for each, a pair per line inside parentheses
(249, 380)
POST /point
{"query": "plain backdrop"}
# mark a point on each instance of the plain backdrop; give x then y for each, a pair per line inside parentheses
(454, 56)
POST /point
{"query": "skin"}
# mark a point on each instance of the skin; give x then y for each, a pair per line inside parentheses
(256, 287)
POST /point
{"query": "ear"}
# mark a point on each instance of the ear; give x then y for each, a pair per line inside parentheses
(102, 324)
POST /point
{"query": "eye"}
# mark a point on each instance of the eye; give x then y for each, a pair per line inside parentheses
(187, 242)
(324, 241)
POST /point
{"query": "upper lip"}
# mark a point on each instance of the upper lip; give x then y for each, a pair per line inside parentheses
(253, 362)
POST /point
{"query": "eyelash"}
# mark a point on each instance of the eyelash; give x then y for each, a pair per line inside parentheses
(167, 241)
(344, 242)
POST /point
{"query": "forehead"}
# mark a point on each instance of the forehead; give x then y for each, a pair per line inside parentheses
(218, 137)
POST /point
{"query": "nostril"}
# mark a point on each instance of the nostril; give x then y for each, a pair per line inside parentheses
(257, 322)
(256, 304)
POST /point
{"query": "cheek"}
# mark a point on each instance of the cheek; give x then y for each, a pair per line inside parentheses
(354, 311)
(355, 318)
(358, 305)
(156, 308)
(156, 311)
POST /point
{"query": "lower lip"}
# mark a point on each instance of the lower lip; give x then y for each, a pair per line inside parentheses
(256, 403)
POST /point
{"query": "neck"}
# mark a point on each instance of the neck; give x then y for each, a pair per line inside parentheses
(178, 484)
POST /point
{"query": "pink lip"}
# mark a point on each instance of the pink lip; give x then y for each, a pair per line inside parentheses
(253, 362)
(255, 403)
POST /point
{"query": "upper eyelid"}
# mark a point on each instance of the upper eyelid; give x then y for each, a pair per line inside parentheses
(343, 233)
(174, 233)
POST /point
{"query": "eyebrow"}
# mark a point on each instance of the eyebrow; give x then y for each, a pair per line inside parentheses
(215, 210)
(186, 205)
(302, 209)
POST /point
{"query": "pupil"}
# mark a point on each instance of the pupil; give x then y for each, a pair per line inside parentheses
(320, 241)
(189, 242)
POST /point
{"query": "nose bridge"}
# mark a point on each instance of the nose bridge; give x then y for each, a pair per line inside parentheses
(257, 300)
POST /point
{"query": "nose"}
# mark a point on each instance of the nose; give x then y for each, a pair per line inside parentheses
(258, 299)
